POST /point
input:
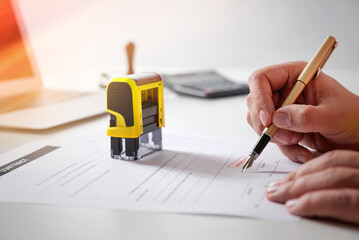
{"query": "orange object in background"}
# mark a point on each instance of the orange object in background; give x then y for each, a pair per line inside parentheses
(14, 62)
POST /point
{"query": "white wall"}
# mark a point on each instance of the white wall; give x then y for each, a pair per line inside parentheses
(72, 34)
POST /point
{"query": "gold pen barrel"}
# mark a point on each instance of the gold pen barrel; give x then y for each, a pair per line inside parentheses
(318, 60)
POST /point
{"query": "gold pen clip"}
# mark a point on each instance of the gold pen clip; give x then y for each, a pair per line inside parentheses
(326, 59)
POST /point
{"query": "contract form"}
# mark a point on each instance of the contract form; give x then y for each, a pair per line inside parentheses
(194, 173)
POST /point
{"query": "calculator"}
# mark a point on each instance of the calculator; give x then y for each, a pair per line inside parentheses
(207, 84)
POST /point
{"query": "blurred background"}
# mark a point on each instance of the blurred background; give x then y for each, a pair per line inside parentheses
(71, 35)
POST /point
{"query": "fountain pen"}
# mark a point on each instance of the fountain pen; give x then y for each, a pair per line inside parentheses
(311, 71)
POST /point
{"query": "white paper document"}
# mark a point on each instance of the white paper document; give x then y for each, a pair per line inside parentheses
(192, 174)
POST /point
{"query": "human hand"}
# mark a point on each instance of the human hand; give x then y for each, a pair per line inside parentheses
(325, 116)
(325, 187)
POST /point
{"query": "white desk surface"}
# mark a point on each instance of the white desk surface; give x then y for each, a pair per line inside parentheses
(217, 116)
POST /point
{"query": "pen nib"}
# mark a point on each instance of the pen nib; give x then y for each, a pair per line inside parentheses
(248, 163)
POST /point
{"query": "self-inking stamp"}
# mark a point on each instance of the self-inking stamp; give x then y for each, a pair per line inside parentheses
(135, 104)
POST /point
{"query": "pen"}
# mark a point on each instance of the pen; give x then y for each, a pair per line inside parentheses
(311, 71)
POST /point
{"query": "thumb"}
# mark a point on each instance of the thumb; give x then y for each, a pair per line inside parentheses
(302, 118)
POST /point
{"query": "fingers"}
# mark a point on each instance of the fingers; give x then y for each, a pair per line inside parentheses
(342, 204)
(276, 76)
(330, 178)
(287, 137)
(338, 158)
(262, 84)
(304, 118)
(260, 107)
(256, 125)
(282, 137)
(296, 152)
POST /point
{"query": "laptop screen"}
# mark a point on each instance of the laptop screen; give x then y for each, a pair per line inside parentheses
(14, 60)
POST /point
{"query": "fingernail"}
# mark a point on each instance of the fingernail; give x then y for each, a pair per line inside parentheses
(301, 158)
(291, 204)
(263, 116)
(281, 136)
(273, 186)
(282, 120)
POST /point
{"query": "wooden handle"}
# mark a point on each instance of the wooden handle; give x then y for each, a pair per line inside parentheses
(130, 50)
